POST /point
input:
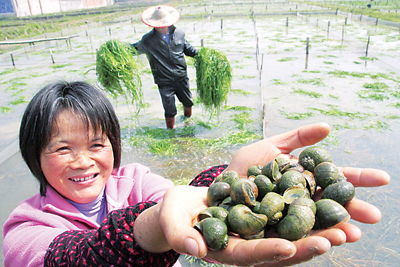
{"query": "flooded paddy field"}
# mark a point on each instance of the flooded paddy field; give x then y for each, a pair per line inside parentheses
(350, 78)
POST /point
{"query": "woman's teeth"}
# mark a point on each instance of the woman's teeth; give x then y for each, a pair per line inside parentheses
(82, 179)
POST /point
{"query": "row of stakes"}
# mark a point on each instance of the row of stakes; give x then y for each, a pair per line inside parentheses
(109, 31)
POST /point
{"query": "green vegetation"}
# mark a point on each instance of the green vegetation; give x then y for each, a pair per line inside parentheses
(242, 119)
(315, 81)
(343, 74)
(335, 112)
(60, 66)
(378, 9)
(240, 92)
(238, 108)
(118, 72)
(296, 115)
(368, 58)
(25, 27)
(18, 101)
(164, 142)
(213, 77)
(4, 109)
(308, 93)
(285, 59)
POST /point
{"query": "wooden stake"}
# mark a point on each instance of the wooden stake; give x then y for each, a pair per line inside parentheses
(327, 32)
(366, 49)
(307, 50)
(12, 60)
(52, 58)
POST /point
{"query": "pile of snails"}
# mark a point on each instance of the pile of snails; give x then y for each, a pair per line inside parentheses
(276, 200)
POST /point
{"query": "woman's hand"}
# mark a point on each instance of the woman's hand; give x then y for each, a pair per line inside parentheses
(181, 205)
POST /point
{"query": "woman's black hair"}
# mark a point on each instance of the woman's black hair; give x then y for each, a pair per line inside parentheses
(40, 115)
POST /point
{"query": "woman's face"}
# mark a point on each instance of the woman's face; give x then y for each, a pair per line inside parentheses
(77, 162)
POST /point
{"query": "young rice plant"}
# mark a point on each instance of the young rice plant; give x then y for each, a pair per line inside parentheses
(214, 75)
(118, 72)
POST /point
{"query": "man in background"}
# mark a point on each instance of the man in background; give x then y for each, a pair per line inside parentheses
(165, 47)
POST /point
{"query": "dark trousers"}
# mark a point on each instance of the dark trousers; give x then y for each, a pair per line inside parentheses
(181, 89)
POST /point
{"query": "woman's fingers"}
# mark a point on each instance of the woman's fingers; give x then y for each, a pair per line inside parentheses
(300, 137)
(249, 252)
(366, 177)
(307, 248)
(259, 153)
(335, 235)
(352, 232)
(363, 212)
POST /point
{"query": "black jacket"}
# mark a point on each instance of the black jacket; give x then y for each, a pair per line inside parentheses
(167, 61)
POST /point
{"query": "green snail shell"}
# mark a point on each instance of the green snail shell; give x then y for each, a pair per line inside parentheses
(291, 178)
(264, 185)
(254, 170)
(298, 222)
(214, 212)
(311, 183)
(243, 221)
(244, 191)
(228, 177)
(294, 193)
(271, 170)
(215, 232)
(282, 160)
(342, 192)
(305, 202)
(312, 156)
(272, 206)
(329, 213)
(326, 173)
(217, 192)
(227, 203)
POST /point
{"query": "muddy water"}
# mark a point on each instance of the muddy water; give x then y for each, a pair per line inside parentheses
(364, 131)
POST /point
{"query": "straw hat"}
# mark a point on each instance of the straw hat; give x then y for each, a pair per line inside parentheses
(160, 16)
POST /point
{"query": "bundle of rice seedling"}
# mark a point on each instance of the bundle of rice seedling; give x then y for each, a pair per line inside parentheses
(214, 75)
(117, 70)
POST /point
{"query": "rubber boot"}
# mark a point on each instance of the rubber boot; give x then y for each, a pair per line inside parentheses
(170, 122)
(187, 112)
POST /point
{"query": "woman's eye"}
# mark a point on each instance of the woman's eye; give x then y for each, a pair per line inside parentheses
(62, 149)
(97, 146)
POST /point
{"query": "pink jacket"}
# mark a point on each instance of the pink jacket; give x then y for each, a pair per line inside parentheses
(32, 225)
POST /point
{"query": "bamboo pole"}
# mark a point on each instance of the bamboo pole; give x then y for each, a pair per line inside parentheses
(12, 60)
(307, 51)
(35, 40)
(366, 49)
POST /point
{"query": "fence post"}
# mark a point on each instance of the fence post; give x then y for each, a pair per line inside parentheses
(12, 60)
(366, 49)
(327, 32)
(52, 58)
(307, 51)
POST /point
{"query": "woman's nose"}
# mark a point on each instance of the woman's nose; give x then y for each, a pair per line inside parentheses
(82, 160)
